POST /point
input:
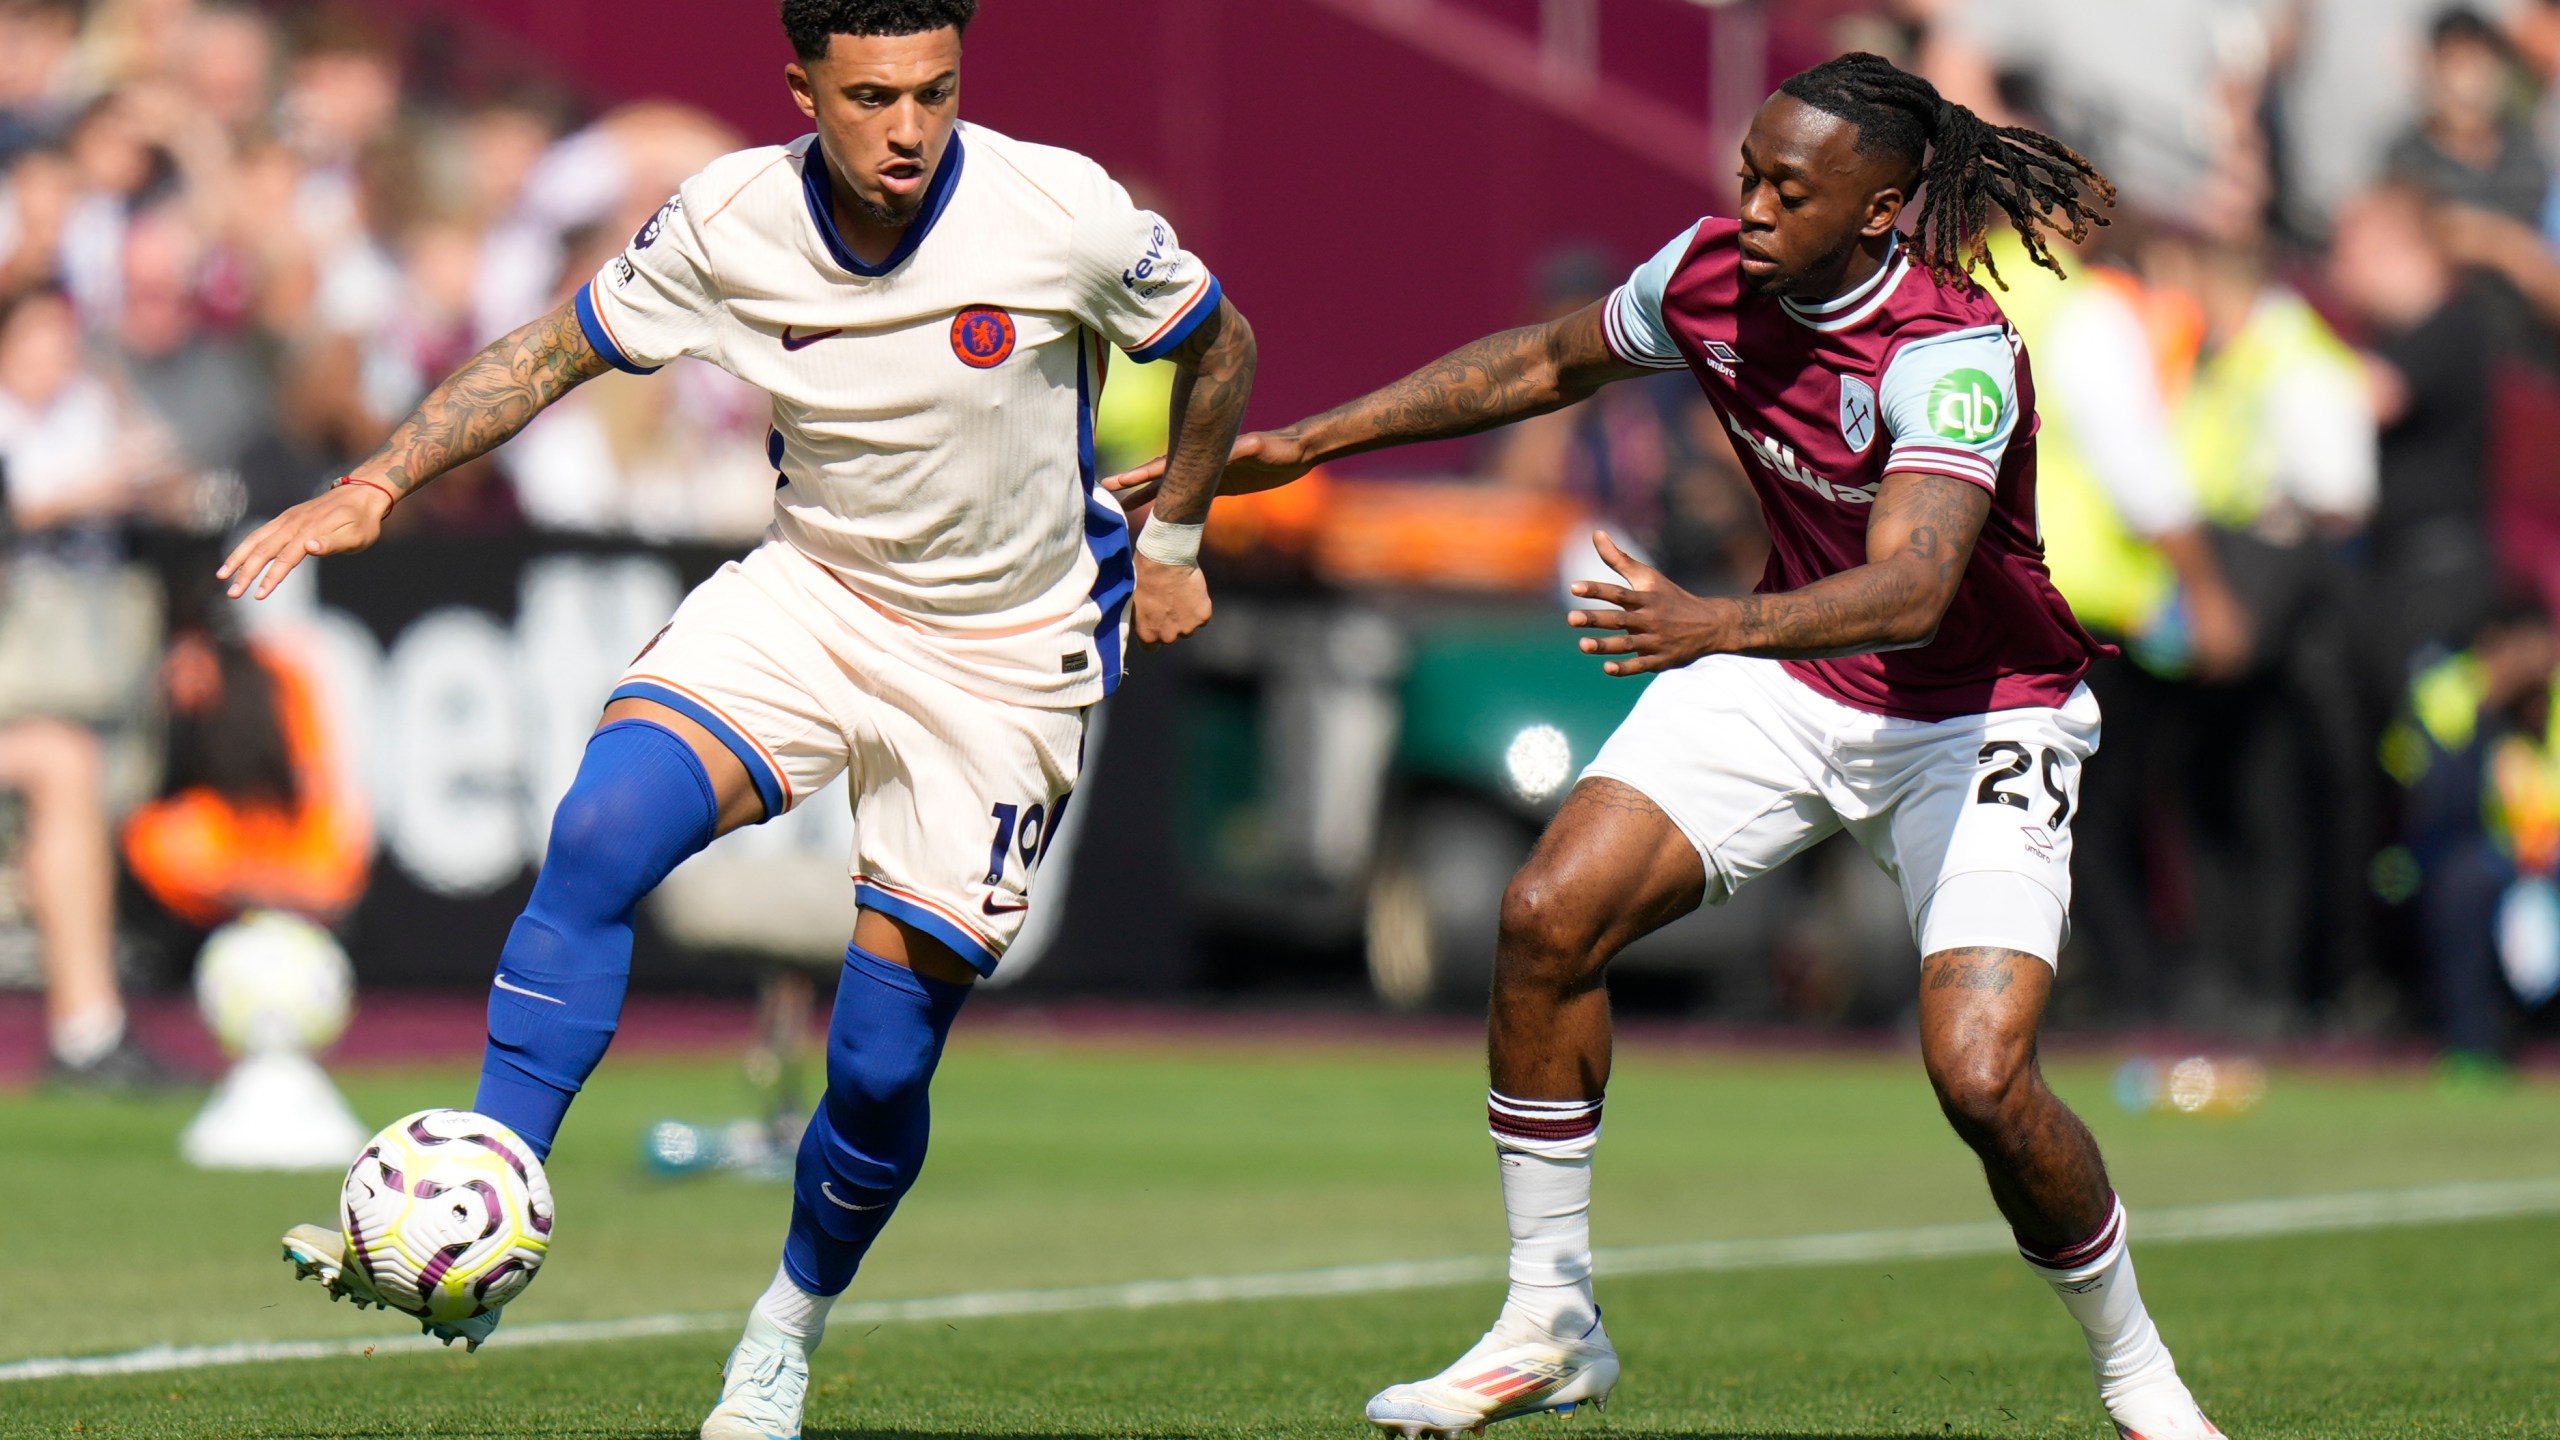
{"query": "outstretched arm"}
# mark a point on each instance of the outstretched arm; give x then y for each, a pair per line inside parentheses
(1919, 539)
(473, 412)
(1213, 378)
(1493, 381)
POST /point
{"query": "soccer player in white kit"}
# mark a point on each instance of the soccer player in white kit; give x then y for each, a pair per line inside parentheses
(942, 600)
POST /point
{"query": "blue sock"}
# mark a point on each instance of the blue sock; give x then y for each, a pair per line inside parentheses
(641, 803)
(865, 1145)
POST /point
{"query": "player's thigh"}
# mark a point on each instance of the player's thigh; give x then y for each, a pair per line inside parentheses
(1610, 869)
(1979, 832)
(956, 799)
(1712, 751)
(754, 684)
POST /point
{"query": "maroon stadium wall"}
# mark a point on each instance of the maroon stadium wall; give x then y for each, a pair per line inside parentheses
(1375, 181)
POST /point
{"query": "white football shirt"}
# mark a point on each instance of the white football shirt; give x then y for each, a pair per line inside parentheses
(933, 414)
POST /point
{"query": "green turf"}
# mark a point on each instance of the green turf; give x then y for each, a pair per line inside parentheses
(1070, 1163)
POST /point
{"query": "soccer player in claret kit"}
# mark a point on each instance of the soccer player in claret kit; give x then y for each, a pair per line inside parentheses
(1906, 672)
(942, 600)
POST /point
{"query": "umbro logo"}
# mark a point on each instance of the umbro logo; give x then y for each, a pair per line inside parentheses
(1720, 355)
(803, 342)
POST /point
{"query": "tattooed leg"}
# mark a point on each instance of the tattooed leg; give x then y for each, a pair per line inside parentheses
(1611, 867)
(1979, 1010)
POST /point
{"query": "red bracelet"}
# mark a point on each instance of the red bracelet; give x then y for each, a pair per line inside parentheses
(370, 484)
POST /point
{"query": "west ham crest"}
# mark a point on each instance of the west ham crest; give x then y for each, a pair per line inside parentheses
(1857, 413)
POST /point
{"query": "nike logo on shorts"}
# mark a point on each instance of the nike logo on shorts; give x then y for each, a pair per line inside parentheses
(529, 994)
(847, 1204)
(989, 906)
(803, 342)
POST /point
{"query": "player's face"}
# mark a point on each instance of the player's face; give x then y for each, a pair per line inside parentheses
(1808, 199)
(884, 106)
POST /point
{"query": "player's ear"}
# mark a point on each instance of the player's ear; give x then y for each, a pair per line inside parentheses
(802, 89)
(1884, 211)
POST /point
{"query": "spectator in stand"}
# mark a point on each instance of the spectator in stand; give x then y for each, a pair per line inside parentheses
(57, 770)
(2275, 424)
(2434, 335)
(72, 454)
(36, 199)
(40, 83)
(2476, 751)
(73, 449)
(228, 67)
(213, 392)
(2164, 95)
(2472, 143)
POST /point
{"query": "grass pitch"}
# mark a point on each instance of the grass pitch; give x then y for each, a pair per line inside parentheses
(1076, 1163)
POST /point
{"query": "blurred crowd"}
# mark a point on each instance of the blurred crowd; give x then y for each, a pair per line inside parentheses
(237, 243)
(2300, 457)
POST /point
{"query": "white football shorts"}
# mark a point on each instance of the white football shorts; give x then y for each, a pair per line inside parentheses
(955, 795)
(1970, 816)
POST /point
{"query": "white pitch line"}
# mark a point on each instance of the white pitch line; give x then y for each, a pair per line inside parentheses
(2247, 1219)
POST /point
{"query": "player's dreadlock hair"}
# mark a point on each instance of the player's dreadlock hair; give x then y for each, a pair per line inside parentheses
(809, 23)
(1972, 165)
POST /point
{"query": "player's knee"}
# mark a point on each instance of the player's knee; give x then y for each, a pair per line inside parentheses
(1982, 1089)
(1546, 936)
(55, 758)
(640, 804)
(879, 1071)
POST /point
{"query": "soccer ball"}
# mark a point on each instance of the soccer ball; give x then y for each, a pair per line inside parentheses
(447, 1213)
(272, 982)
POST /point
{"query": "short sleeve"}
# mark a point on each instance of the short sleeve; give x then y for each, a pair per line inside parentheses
(656, 300)
(1950, 402)
(1636, 329)
(1133, 280)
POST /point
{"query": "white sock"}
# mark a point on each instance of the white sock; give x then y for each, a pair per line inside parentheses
(2095, 1282)
(1545, 1150)
(787, 1313)
(89, 1036)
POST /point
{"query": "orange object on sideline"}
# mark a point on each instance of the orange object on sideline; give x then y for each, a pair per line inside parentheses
(1444, 535)
(209, 858)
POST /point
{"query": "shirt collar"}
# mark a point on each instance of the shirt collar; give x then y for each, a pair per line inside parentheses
(1843, 311)
(817, 182)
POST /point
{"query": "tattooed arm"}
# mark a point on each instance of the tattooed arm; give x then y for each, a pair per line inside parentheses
(1213, 377)
(484, 403)
(1919, 539)
(1493, 381)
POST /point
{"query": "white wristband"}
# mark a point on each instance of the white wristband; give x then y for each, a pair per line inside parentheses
(1169, 544)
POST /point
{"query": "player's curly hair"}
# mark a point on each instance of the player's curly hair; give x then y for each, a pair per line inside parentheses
(810, 23)
(1966, 166)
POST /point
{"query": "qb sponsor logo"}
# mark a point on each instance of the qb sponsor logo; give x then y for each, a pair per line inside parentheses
(1966, 406)
(1857, 413)
(982, 336)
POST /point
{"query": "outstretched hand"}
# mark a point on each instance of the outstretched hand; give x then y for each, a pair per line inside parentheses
(1662, 627)
(1262, 460)
(340, 521)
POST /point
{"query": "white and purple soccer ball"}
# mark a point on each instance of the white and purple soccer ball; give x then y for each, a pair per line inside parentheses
(447, 1213)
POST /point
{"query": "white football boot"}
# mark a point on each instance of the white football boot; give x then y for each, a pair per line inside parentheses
(1501, 1379)
(319, 1252)
(762, 1388)
(2162, 1410)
